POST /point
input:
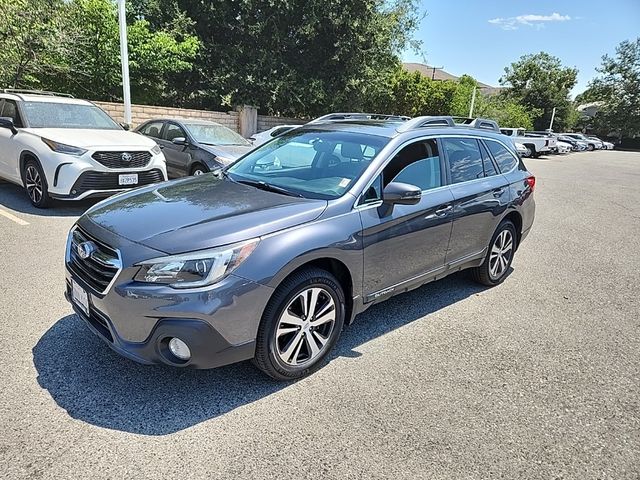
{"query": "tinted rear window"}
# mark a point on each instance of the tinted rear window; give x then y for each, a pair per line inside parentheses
(465, 159)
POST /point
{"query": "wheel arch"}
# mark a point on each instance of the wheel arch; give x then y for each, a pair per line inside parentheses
(29, 155)
(515, 218)
(335, 267)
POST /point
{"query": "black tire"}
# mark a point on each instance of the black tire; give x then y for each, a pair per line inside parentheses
(483, 274)
(591, 148)
(267, 357)
(35, 184)
(531, 151)
(198, 169)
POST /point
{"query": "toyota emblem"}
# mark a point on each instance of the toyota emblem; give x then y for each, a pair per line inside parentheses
(126, 157)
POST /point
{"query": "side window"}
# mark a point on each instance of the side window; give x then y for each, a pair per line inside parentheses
(152, 129)
(416, 164)
(504, 158)
(489, 167)
(465, 159)
(173, 131)
(9, 109)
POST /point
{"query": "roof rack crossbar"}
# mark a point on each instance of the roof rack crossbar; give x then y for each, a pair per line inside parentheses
(36, 92)
(357, 116)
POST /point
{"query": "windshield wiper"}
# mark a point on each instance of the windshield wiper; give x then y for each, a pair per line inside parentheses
(270, 188)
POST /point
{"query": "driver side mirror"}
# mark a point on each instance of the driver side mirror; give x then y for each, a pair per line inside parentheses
(125, 126)
(7, 122)
(180, 141)
(401, 193)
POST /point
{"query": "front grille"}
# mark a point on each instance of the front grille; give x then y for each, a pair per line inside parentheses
(123, 159)
(110, 181)
(99, 268)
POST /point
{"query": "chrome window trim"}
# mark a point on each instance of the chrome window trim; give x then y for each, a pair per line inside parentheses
(379, 170)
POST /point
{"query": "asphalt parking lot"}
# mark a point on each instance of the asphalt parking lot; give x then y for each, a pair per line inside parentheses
(537, 378)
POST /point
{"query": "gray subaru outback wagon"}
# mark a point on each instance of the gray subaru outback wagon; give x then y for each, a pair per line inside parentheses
(268, 258)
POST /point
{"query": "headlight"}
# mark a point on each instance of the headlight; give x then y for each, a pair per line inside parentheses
(156, 150)
(195, 269)
(62, 148)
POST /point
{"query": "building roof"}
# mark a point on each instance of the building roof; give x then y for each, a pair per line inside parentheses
(439, 74)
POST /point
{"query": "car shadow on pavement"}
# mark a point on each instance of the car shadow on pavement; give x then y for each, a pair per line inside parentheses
(96, 385)
(15, 198)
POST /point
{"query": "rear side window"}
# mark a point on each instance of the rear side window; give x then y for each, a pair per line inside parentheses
(504, 158)
(465, 159)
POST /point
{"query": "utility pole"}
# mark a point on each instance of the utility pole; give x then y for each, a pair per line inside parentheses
(124, 59)
(553, 116)
(473, 102)
(433, 71)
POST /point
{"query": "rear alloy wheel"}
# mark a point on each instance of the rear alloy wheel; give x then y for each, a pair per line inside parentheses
(35, 184)
(495, 267)
(529, 151)
(300, 325)
(591, 148)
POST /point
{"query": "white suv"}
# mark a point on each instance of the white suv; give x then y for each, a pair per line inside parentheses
(65, 148)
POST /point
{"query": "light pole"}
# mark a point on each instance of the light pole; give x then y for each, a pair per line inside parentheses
(473, 102)
(124, 59)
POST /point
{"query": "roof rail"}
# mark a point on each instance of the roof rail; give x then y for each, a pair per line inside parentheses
(426, 121)
(35, 92)
(357, 116)
(482, 123)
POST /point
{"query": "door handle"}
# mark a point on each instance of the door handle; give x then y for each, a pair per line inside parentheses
(497, 192)
(161, 146)
(441, 212)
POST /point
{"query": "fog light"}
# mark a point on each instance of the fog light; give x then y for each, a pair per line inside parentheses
(179, 349)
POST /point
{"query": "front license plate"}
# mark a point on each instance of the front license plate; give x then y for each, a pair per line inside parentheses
(80, 297)
(128, 179)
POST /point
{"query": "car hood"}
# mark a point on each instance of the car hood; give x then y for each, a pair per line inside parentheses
(200, 212)
(92, 139)
(227, 151)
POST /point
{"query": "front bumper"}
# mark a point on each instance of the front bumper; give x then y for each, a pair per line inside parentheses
(208, 348)
(219, 323)
(75, 178)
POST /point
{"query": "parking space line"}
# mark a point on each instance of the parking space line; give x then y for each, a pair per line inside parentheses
(12, 217)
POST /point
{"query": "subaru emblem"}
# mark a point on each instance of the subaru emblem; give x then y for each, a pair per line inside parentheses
(126, 157)
(85, 249)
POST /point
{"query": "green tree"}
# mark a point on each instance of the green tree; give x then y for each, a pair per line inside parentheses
(506, 111)
(618, 88)
(541, 82)
(33, 41)
(294, 57)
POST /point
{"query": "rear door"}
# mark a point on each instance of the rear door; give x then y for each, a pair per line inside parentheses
(408, 243)
(481, 196)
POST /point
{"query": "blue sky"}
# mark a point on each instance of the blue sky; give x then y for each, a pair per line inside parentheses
(482, 37)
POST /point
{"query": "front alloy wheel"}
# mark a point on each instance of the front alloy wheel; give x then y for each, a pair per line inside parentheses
(35, 184)
(305, 326)
(300, 325)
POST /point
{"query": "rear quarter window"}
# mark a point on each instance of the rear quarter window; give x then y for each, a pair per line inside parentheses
(504, 158)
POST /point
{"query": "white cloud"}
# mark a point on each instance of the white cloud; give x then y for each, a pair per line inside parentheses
(531, 20)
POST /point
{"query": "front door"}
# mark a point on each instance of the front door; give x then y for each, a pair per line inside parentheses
(408, 243)
(178, 156)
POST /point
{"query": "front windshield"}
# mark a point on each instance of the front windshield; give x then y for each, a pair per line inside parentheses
(214, 134)
(311, 163)
(67, 115)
